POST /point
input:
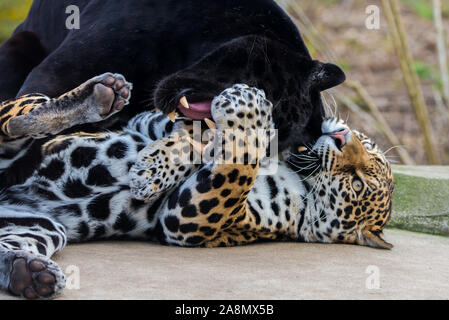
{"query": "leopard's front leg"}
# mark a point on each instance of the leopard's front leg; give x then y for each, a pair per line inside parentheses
(208, 208)
(37, 116)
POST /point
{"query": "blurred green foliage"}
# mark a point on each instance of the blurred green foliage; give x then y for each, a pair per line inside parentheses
(427, 72)
(424, 70)
(12, 13)
(345, 65)
(424, 9)
(328, 2)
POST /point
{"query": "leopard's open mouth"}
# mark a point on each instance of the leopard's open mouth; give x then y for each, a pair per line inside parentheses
(195, 111)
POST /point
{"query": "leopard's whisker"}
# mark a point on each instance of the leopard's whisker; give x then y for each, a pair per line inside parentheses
(301, 154)
(316, 185)
(305, 168)
(300, 164)
(334, 102)
(310, 175)
(328, 109)
(393, 147)
(277, 104)
(323, 205)
(303, 157)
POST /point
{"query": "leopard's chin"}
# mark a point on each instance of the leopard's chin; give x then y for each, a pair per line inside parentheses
(196, 111)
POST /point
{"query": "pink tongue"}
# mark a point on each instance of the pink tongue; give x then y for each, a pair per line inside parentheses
(341, 135)
(197, 111)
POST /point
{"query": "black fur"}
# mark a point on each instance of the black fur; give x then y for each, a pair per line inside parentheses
(171, 48)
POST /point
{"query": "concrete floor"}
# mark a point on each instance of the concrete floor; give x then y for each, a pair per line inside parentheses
(416, 268)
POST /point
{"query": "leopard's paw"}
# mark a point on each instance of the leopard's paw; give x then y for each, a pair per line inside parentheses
(111, 92)
(243, 119)
(242, 107)
(35, 277)
(160, 167)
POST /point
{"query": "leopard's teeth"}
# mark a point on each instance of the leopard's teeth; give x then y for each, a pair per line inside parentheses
(172, 115)
(183, 101)
(210, 124)
(302, 149)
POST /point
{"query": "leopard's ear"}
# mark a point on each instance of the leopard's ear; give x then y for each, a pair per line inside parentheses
(373, 239)
(326, 76)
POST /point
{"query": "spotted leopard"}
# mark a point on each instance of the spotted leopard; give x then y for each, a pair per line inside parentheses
(127, 184)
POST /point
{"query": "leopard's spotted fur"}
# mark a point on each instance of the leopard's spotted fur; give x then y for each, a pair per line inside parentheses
(126, 184)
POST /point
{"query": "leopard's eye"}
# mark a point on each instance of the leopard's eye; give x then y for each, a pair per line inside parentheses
(357, 185)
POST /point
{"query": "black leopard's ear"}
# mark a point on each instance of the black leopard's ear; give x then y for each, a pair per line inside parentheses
(326, 76)
(373, 239)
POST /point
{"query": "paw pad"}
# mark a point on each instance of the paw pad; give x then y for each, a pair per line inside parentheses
(111, 93)
(34, 278)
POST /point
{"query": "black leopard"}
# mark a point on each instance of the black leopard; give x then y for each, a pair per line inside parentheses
(172, 51)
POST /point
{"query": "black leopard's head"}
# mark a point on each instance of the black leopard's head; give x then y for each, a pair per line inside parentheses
(291, 80)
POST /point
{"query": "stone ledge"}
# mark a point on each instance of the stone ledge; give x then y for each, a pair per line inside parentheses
(421, 199)
(416, 268)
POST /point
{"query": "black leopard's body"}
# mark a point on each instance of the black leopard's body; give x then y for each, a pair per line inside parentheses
(168, 49)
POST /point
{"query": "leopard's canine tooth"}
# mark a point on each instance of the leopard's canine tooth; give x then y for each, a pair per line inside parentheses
(302, 149)
(172, 115)
(210, 124)
(184, 102)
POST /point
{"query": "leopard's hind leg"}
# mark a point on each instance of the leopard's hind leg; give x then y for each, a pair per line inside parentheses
(26, 121)
(37, 116)
(27, 242)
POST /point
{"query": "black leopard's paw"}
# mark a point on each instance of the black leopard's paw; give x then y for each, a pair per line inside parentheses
(35, 278)
(111, 93)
